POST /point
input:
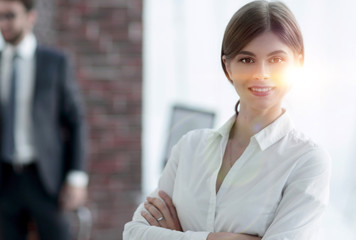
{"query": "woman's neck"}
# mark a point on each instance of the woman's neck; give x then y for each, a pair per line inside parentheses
(249, 122)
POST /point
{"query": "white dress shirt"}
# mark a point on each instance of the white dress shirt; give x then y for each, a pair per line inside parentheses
(278, 189)
(24, 150)
(24, 146)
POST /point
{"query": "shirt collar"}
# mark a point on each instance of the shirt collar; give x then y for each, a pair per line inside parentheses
(275, 131)
(224, 130)
(25, 49)
(267, 136)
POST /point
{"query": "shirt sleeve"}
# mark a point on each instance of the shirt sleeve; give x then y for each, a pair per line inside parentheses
(304, 199)
(139, 229)
(77, 179)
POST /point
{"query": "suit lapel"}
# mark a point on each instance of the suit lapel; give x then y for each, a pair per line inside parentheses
(38, 77)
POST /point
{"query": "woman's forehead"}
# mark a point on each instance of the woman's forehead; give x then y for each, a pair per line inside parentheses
(266, 43)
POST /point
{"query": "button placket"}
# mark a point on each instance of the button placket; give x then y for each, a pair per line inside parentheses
(226, 184)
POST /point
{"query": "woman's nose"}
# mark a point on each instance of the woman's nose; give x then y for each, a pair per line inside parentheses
(262, 72)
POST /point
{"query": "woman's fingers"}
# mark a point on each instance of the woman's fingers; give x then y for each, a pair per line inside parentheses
(172, 209)
(158, 217)
(150, 219)
(152, 210)
(168, 202)
(161, 212)
(162, 208)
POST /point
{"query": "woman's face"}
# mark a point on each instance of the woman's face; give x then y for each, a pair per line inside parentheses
(261, 72)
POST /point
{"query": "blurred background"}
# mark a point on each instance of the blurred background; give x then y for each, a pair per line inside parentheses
(137, 60)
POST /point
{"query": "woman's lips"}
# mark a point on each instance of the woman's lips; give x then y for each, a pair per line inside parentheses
(261, 91)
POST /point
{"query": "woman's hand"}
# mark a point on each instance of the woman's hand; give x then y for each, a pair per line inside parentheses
(161, 213)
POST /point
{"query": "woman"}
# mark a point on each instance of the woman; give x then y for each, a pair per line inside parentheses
(256, 177)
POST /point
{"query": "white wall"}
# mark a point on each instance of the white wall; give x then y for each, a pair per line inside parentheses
(182, 44)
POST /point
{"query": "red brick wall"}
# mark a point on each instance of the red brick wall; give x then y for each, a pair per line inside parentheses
(104, 40)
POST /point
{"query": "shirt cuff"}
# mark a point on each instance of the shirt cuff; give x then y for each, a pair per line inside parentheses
(197, 235)
(77, 179)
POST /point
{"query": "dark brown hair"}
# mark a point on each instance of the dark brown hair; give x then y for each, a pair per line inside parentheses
(258, 17)
(28, 4)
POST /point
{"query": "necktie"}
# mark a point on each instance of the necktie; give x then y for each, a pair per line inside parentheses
(9, 110)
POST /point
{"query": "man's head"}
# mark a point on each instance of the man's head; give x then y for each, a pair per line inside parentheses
(17, 18)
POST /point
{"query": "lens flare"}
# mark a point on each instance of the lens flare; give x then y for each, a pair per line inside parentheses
(293, 75)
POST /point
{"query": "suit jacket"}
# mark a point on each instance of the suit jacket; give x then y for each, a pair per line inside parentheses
(59, 131)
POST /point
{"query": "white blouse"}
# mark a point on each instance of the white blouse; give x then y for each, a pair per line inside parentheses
(278, 189)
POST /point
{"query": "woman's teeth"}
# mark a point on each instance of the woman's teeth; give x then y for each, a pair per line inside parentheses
(261, 89)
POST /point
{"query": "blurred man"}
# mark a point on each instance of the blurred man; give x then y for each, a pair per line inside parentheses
(42, 131)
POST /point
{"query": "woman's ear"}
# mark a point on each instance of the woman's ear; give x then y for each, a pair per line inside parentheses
(225, 62)
(300, 60)
(227, 67)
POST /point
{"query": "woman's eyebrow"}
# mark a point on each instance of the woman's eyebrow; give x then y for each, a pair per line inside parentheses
(276, 52)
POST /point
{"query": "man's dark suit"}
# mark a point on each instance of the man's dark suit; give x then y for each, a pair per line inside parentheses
(58, 125)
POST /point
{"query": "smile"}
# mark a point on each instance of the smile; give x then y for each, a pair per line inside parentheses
(267, 89)
(261, 91)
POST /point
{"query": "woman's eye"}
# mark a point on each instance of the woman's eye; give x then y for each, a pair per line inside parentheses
(247, 60)
(277, 60)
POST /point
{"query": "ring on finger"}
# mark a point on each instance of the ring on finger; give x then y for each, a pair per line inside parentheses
(159, 219)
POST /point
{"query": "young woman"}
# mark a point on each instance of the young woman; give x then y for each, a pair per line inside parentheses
(256, 177)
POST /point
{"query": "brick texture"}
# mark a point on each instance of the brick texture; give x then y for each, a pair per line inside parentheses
(104, 41)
